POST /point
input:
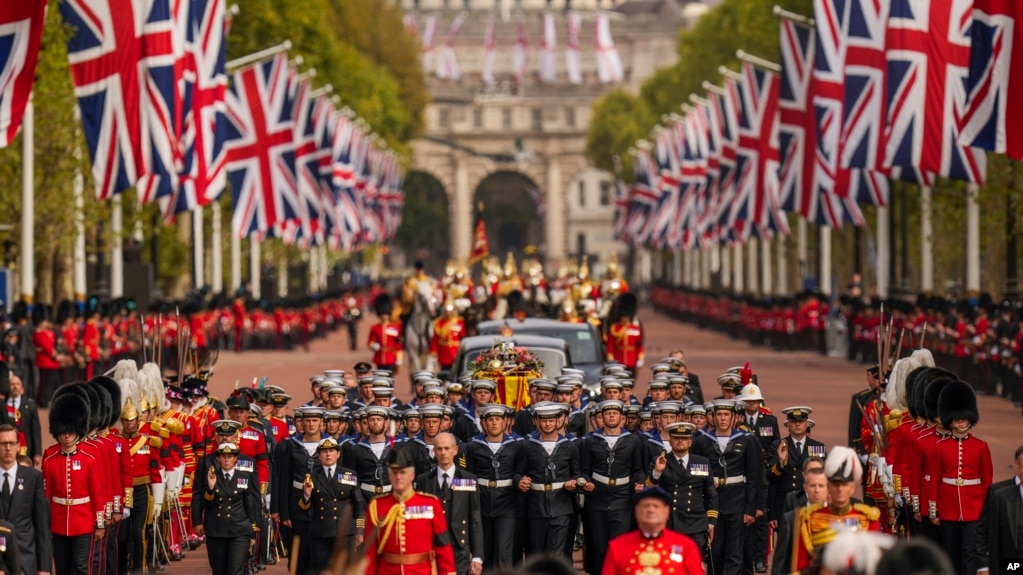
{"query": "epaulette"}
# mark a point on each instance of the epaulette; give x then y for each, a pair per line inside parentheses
(424, 494)
(155, 442)
(175, 426)
(764, 410)
(871, 512)
(893, 419)
(5, 530)
(814, 507)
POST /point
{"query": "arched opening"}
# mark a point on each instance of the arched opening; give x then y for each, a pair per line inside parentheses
(423, 234)
(513, 212)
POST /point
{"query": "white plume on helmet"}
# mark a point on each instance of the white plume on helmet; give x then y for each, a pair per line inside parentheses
(126, 369)
(843, 462)
(895, 393)
(855, 551)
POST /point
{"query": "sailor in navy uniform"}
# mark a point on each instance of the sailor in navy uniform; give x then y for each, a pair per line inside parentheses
(333, 500)
(230, 511)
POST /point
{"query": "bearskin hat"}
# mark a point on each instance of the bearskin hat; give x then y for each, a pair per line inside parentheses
(931, 396)
(89, 395)
(957, 401)
(102, 407)
(382, 305)
(111, 401)
(914, 380)
(69, 413)
(516, 301)
(627, 304)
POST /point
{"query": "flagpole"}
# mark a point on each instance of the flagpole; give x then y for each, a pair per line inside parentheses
(216, 250)
(972, 240)
(765, 261)
(282, 276)
(706, 260)
(801, 248)
(753, 266)
(757, 61)
(28, 220)
(259, 56)
(825, 260)
(883, 251)
(255, 267)
(737, 269)
(117, 248)
(927, 241)
(726, 266)
(198, 249)
(781, 246)
(236, 263)
(797, 18)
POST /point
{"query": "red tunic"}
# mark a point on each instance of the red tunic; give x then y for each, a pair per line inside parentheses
(415, 529)
(45, 341)
(72, 483)
(668, 553)
(447, 336)
(625, 343)
(144, 451)
(253, 445)
(388, 335)
(960, 476)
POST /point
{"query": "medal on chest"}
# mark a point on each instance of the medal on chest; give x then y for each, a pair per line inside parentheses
(649, 561)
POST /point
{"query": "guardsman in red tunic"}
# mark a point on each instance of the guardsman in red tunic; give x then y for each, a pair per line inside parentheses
(448, 332)
(283, 425)
(653, 549)
(109, 393)
(385, 337)
(147, 484)
(625, 338)
(411, 535)
(814, 525)
(77, 514)
(960, 476)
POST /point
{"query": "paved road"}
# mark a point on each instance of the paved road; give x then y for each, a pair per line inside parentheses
(786, 378)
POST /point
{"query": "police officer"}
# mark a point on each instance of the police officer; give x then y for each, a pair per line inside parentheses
(737, 467)
(687, 477)
(229, 512)
(331, 496)
(496, 459)
(551, 472)
(613, 462)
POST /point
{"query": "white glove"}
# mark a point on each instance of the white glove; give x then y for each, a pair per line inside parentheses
(158, 493)
(899, 500)
(126, 513)
(639, 363)
(374, 346)
(863, 458)
(266, 500)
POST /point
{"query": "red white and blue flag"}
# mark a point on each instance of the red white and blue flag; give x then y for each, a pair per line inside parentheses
(644, 199)
(621, 210)
(307, 166)
(724, 107)
(261, 148)
(21, 28)
(123, 67)
(928, 54)
(993, 119)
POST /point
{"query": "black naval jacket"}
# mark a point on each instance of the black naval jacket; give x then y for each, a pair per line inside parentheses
(497, 474)
(694, 497)
(372, 472)
(246, 464)
(231, 509)
(614, 471)
(738, 471)
(334, 503)
(462, 512)
(547, 496)
(291, 463)
(788, 478)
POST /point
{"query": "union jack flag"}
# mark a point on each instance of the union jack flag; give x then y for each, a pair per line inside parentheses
(307, 166)
(863, 110)
(643, 200)
(707, 208)
(724, 108)
(928, 56)
(621, 210)
(261, 147)
(694, 177)
(346, 136)
(668, 186)
(21, 28)
(204, 110)
(123, 67)
(996, 79)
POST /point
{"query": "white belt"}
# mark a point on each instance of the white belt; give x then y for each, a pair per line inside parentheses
(730, 480)
(610, 481)
(298, 484)
(70, 502)
(547, 486)
(960, 482)
(378, 489)
(494, 483)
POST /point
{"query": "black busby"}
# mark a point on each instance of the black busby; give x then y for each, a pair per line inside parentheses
(382, 305)
(400, 459)
(103, 406)
(914, 380)
(957, 401)
(40, 313)
(932, 394)
(92, 306)
(65, 311)
(627, 304)
(69, 413)
(516, 301)
(113, 409)
(19, 311)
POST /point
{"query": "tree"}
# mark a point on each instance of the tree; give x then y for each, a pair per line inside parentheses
(619, 121)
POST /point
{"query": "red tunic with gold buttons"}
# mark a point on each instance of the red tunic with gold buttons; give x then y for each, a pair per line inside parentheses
(123, 468)
(144, 451)
(253, 445)
(625, 343)
(406, 533)
(960, 476)
(668, 553)
(388, 334)
(72, 482)
(447, 336)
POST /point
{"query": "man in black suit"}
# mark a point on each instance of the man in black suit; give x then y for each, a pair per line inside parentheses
(23, 411)
(1000, 529)
(457, 490)
(815, 491)
(23, 503)
(686, 476)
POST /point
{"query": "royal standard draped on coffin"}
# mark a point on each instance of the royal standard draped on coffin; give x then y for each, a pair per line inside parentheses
(512, 368)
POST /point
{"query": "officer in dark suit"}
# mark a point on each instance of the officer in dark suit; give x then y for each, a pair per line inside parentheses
(230, 511)
(787, 456)
(612, 462)
(814, 491)
(999, 534)
(458, 491)
(737, 467)
(24, 505)
(687, 477)
(23, 411)
(331, 495)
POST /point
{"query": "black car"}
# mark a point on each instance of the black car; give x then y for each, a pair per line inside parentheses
(585, 346)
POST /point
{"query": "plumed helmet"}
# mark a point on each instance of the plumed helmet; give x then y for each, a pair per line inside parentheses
(895, 393)
(111, 401)
(627, 304)
(130, 399)
(843, 464)
(126, 369)
(382, 305)
(69, 413)
(957, 401)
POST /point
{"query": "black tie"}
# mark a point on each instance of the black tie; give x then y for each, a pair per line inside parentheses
(227, 477)
(445, 487)
(799, 447)
(7, 487)
(330, 474)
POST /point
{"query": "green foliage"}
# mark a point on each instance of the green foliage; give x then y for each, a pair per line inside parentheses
(426, 206)
(619, 121)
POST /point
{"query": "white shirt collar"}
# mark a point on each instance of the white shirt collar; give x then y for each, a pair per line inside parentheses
(13, 471)
(328, 469)
(440, 474)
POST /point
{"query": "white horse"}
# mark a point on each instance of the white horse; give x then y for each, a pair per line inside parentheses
(419, 331)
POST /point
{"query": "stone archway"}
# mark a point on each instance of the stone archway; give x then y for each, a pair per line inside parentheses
(423, 234)
(513, 212)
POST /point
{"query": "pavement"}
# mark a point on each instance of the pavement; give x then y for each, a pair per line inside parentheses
(786, 378)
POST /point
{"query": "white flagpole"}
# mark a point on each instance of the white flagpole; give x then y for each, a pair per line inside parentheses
(236, 263)
(765, 262)
(926, 241)
(216, 251)
(753, 266)
(740, 286)
(258, 56)
(883, 251)
(314, 270)
(801, 252)
(255, 266)
(726, 266)
(282, 277)
(781, 245)
(198, 248)
(825, 254)
(28, 224)
(117, 248)
(972, 240)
